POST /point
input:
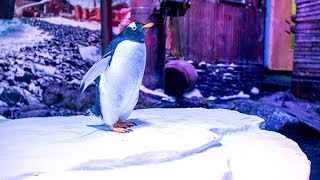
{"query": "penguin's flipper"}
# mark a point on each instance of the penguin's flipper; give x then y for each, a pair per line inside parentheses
(96, 70)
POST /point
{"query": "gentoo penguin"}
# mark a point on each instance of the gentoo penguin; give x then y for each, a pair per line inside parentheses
(118, 76)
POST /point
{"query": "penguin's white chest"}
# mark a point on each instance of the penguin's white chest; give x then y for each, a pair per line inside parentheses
(119, 85)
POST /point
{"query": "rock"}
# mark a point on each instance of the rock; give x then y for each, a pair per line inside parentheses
(151, 100)
(14, 95)
(275, 117)
(193, 102)
(1, 73)
(19, 73)
(32, 107)
(48, 70)
(68, 96)
(10, 112)
(3, 104)
(36, 113)
(32, 87)
(90, 54)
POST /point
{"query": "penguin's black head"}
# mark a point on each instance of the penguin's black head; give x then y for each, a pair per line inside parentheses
(135, 31)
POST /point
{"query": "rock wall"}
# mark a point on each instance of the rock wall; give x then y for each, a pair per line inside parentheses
(28, 76)
(223, 79)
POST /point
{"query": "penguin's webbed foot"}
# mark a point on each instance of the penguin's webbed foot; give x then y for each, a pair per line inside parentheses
(120, 129)
(124, 124)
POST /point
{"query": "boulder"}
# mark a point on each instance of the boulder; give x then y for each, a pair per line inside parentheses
(16, 95)
(68, 96)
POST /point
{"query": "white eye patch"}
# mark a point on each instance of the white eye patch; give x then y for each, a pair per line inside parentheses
(133, 26)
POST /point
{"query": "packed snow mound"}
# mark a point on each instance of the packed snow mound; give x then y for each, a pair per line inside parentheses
(167, 144)
(91, 25)
(15, 35)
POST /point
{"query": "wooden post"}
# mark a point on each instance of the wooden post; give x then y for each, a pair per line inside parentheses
(7, 9)
(106, 23)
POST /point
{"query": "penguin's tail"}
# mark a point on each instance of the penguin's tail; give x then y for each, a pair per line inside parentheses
(93, 112)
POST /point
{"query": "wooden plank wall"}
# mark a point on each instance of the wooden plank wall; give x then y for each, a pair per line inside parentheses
(214, 31)
(306, 69)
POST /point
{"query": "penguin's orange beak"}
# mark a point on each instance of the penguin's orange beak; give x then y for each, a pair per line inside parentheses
(148, 25)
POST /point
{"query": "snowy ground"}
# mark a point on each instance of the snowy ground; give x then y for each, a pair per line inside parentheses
(15, 35)
(91, 25)
(166, 144)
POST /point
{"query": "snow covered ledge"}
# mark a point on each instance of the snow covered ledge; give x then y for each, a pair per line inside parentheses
(166, 144)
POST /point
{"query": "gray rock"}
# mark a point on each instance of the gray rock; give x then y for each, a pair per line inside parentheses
(275, 117)
(68, 96)
(16, 95)
(32, 107)
(3, 104)
(19, 72)
(48, 70)
(36, 113)
(32, 87)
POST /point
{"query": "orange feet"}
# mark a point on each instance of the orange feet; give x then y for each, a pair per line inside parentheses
(124, 124)
(122, 127)
(120, 130)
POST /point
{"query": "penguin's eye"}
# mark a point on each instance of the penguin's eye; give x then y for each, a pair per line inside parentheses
(134, 28)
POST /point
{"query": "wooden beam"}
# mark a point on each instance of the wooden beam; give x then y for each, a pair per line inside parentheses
(106, 23)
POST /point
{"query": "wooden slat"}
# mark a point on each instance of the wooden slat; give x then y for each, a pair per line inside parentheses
(223, 32)
(308, 4)
(306, 69)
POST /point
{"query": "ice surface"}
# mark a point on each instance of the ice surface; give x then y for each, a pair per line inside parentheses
(91, 25)
(15, 35)
(166, 144)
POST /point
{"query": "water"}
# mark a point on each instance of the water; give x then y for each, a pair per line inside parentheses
(7, 26)
(309, 141)
(14, 34)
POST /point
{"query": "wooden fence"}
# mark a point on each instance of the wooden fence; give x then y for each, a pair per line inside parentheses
(306, 70)
(218, 31)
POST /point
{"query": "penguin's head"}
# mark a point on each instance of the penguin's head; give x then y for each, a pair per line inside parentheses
(136, 31)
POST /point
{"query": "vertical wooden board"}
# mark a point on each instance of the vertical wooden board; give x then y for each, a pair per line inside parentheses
(225, 32)
(281, 57)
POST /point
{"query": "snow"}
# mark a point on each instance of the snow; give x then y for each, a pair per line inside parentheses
(157, 92)
(2, 118)
(193, 93)
(166, 144)
(89, 4)
(91, 25)
(254, 90)
(211, 98)
(241, 94)
(15, 35)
